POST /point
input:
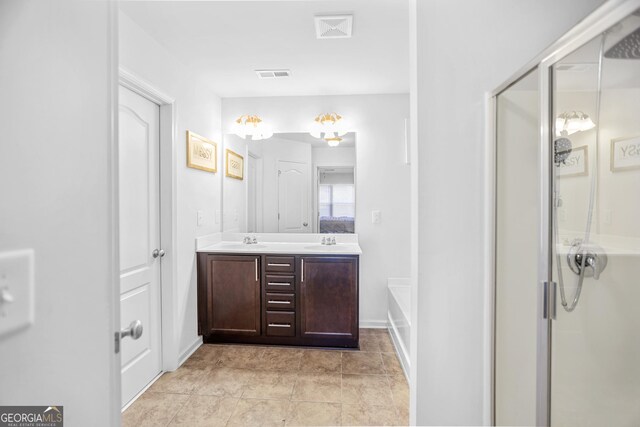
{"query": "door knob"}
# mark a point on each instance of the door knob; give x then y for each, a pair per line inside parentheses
(305, 224)
(134, 330)
(158, 253)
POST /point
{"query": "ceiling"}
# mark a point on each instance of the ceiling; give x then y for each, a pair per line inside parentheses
(225, 41)
(348, 140)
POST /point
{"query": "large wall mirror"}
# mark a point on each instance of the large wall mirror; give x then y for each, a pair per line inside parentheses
(289, 183)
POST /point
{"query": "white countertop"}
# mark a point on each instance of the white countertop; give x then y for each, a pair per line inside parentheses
(292, 244)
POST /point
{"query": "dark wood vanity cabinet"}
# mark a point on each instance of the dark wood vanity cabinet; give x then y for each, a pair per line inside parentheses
(329, 298)
(229, 298)
(307, 300)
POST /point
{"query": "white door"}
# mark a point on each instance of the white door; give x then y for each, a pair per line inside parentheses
(293, 197)
(252, 202)
(139, 146)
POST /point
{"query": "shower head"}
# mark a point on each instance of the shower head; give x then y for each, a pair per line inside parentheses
(627, 48)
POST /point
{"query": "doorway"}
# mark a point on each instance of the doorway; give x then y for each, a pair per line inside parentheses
(140, 252)
(293, 197)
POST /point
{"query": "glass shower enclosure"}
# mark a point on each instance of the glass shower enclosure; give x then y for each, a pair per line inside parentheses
(567, 271)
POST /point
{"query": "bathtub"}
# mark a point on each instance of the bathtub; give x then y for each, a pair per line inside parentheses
(399, 318)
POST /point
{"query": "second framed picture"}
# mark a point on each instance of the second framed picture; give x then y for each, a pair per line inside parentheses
(234, 165)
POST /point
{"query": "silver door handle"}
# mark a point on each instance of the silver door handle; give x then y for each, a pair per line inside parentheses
(305, 224)
(278, 265)
(158, 253)
(256, 260)
(302, 272)
(278, 302)
(134, 330)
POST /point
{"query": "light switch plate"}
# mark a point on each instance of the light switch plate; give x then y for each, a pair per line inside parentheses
(16, 290)
(200, 216)
(376, 217)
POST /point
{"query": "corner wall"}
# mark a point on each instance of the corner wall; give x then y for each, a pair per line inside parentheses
(461, 50)
(382, 178)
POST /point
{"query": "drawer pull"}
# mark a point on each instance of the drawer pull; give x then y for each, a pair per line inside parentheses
(278, 284)
(279, 265)
(278, 302)
(280, 325)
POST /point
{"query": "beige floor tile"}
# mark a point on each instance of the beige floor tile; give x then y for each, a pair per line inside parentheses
(364, 415)
(203, 411)
(321, 361)
(270, 385)
(240, 356)
(318, 388)
(229, 382)
(392, 364)
(314, 414)
(206, 356)
(153, 409)
(257, 412)
(183, 380)
(403, 415)
(369, 342)
(372, 331)
(366, 389)
(399, 390)
(385, 343)
(281, 359)
(362, 363)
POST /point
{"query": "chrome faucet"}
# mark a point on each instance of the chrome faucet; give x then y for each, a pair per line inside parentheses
(250, 241)
(328, 240)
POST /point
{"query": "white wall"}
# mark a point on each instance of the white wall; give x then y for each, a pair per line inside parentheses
(198, 110)
(55, 197)
(460, 50)
(333, 156)
(382, 177)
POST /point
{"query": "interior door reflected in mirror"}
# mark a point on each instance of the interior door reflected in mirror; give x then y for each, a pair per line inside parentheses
(291, 183)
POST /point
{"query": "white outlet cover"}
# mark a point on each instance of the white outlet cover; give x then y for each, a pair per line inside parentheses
(376, 217)
(17, 282)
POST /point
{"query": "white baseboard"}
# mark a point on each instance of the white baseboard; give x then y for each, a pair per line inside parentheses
(401, 351)
(189, 351)
(378, 324)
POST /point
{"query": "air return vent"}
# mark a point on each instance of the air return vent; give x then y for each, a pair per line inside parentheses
(334, 27)
(273, 74)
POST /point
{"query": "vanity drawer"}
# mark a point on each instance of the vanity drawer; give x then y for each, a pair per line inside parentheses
(279, 264)
(280, 283)
(281, 324)
(280, 301)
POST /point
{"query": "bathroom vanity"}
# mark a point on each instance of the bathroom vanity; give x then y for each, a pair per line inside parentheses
(293, 293)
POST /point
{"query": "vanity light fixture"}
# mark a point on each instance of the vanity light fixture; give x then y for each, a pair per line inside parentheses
(327, 126)
(571, 122)
(333, 142)
(252, 127)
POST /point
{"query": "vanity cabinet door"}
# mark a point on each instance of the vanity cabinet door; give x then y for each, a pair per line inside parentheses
(233, 295)
(329, 297)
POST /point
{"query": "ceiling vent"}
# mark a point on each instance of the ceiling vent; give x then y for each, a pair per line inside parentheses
(273, 74)
(334, 27)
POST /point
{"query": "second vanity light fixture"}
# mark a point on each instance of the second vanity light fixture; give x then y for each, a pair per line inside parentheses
(568, 123)
(330, 127)
(252, 127)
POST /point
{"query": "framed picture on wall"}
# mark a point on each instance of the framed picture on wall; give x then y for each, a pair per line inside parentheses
(234, 165)
(625, 154)
(202, 153)
(577, 164)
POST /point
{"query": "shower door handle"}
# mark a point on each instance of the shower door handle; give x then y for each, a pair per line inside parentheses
(548, 300)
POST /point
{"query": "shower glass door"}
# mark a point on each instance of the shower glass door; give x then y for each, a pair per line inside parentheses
(595, 337)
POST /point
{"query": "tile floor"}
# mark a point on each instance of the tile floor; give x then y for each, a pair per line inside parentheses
(233, 385)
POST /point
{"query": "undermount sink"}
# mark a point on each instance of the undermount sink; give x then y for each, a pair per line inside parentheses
(237, 246)
(323, 247)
